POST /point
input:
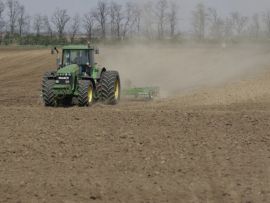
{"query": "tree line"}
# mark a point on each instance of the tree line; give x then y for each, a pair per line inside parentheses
(110, 20)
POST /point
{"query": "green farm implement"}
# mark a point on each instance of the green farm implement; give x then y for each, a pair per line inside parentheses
(146, 93)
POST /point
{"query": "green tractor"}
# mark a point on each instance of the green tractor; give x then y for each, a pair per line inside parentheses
(80, 80)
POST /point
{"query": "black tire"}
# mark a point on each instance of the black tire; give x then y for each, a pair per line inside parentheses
(84, 97)
(47, 90)
(110, 87)
(98, 91)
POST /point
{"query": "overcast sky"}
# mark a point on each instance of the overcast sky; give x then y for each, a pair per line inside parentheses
(224, 7)
(246, 7)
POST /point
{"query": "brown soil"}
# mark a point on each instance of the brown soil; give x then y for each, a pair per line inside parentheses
(208, 145)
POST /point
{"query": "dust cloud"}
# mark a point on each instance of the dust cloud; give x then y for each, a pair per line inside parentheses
(176, 69)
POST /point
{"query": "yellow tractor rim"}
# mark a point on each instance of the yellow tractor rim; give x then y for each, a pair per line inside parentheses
(116, 89)
(90, 94)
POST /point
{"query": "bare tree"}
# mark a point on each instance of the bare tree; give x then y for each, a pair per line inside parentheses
(161, 14)
(100, 15)
(75, 26)
(2, 21)
(116, 19)
(137, 15)
(2, 9)
(148, 20)
(216, 24)
(23, 20)
(38, 24)
(266, 20)
(112, 17)
(133, 15)
(89, 23)
(255, 26)
(128, 19)
(228, 28)
(60, 19)
(47, 26)
(172, 16)
(13, 14)
(199, 21)
(239, 22)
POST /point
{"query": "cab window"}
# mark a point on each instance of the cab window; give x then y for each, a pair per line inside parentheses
(79, 57)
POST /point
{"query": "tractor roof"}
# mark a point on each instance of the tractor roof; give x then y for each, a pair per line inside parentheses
(78, 47)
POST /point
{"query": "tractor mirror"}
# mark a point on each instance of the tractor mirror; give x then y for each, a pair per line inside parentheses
(57, 51)
(97, 51)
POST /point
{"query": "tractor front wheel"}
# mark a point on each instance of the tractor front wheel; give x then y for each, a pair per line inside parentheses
(47, 91)
(86, 93)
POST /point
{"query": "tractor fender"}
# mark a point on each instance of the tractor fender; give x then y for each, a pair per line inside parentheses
(50, 75)
(91, 79)
(101, 72)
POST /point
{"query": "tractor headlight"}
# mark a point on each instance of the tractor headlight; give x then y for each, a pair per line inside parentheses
(67, 74)
(63, 78)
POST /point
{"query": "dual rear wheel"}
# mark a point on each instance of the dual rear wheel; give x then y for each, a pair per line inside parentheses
(108, 90)
(110, 87)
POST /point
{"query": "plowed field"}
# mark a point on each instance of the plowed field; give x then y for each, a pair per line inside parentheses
(206, 140)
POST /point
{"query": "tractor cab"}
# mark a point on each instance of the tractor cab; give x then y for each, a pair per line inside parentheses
(80, 55)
